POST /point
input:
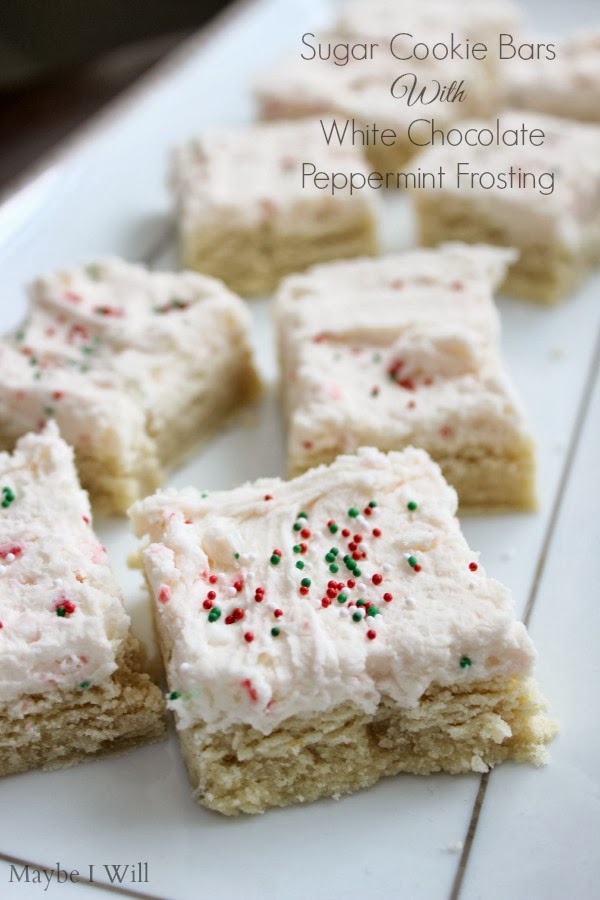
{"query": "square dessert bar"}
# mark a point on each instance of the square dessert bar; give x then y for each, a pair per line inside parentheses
(324, 78)
(245, 216)
(70, 682)
(405, 350)
(322, 633)
(567, 86)
(542, 200)
(135, 366)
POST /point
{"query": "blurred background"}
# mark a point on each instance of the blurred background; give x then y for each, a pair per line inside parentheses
(61, 60)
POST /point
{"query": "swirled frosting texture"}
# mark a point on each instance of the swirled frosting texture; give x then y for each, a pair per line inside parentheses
(350, 582)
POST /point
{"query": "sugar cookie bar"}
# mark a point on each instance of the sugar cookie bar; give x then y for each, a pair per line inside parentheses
(567, 86)
(330, 75)
(322, 633)
(70, 681)
(135, 366)
(405, 350)
(245, 215)
(542, 200)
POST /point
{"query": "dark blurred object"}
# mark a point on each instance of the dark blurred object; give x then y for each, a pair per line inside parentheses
(42, 36)
(93, 48)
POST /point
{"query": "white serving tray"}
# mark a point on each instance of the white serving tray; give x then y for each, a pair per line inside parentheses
(519, 833)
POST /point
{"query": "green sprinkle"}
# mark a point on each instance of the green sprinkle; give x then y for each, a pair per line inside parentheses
(48, 410)
(8, 497)
(377, 357)
(357, 572)
(305, 582)
(372, 611)
(333, 528)
(87, 350)
(465, 662)
(302, 515)
(204, 494)
(61, 612)
(296, 526)
(329, 557)
(37, 375)
(275, 559)
(356, 617)
(236, 555)
(214, 614)
(411, 505)
(275, 632)
(84, 685)
(20, 335)
(333, 568)
(94, 272)
(342, 598)
(412, 561)
(174, 695)
(297, 548)
(353, 512)
(299, 564)
(361, 603)
(372, 504)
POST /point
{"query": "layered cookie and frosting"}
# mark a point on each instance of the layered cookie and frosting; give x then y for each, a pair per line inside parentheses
(539, 194)
(249, 211)
(135, 366)
(320, 633)
(70, 685)
(404, 350)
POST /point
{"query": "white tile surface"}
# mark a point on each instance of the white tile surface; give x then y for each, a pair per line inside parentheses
(402, 838)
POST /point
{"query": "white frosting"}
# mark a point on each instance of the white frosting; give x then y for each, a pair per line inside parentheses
(406, 352)
(107, 350)
(567, 86)
(570, 150)
(248, 177)
(437, 617)
(50, 559)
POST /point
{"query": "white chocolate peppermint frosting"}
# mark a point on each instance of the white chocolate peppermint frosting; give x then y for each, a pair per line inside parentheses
(62, 618)
(248, 177)
(398, 350)
(567, 214)
(568, 85)
(344, 585)
(107, 349)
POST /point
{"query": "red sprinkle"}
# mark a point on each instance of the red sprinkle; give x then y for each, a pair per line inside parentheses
(388, 597)
(358, 538)
(345, 532)
(368, 511)
(326, 602)
(416, 568)
(58, 395)
(277, 553)
(351, 583)
(305, 533)
(238, 614)
(376, 532)
(377, 579)
(303, 590)
(238, 585)
(8, 549)
(371, 634)
(473, 566)
(277, 613)
(332, 593)
(252, 692)
(207, 604)
(229, 620)
(213, 579)
(164, 595)
(267, 497)
(249, 637)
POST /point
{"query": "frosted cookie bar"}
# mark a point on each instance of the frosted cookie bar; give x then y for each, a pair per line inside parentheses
(405, 350)
(349, 71)
(135, 366)
(358, 99)
(322, 633)
(568, 86)
(70, 681)
(246, 216)
(540, 198)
